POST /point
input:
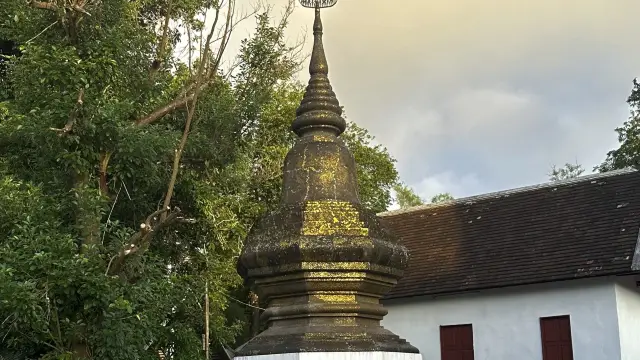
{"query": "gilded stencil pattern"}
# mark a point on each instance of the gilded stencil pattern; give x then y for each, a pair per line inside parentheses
(327, 218)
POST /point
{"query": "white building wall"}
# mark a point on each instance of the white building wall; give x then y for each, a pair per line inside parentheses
(506, 322)
(628, 306)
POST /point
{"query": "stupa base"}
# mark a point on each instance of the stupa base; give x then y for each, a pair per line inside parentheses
(365, 355)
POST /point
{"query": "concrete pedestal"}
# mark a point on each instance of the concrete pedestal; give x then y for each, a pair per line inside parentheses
(335, 356)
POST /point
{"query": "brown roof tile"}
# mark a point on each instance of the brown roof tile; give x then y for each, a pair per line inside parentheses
(583, 227)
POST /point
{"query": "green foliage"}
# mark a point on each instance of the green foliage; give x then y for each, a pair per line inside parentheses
(268, 62)
(628, 154)
(376, 169)
(440, 198)
(79, 175)
(568, 171)
(406, 196)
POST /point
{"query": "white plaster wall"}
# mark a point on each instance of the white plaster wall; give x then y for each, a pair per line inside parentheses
(506, 322)
(628, 306)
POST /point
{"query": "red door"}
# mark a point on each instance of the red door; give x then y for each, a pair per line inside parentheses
(456, 342)
(556, 338)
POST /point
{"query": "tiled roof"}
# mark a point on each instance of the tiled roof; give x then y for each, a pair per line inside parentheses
(583, 227)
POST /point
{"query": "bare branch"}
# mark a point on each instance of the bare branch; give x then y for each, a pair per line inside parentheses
(73, 116)
(206, 81)
(43, 5)
(190, 54)
(42, 32)
(190, 112)
(139, 242)
(79, 9)
(105, 156)
(157, 63)
(234, 23)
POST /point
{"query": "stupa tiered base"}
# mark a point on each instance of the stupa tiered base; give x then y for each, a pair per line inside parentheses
(368, 355)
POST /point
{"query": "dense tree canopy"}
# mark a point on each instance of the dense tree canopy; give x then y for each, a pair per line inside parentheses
(628, 154)
(130, 173)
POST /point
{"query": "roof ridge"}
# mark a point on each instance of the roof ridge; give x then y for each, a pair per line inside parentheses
(502, 193)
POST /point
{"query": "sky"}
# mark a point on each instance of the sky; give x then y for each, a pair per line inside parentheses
(475, 96)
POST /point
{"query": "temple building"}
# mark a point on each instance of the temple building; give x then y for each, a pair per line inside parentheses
(547, 272)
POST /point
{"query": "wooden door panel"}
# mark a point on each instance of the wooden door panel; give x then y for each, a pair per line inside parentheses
(555, 333)
(456, 342)
(567, 352)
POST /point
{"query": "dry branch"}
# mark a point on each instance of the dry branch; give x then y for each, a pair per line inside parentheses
(73, 116)
(190, 113)
(43, 5)
(157, 63)
(105, 156)
(210, 75)
(166, 109)
(139, 241)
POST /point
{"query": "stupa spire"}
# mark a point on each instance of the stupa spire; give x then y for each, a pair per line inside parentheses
(319, 109)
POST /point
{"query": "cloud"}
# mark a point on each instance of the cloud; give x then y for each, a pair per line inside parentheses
(458, 186)
(498, 89)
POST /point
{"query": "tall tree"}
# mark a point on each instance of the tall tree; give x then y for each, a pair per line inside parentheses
(133, 164)
(628, 153)
(130, 177)
(568, 171)
(375, 168)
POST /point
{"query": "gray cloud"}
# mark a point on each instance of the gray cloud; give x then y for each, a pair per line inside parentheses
(473, 96)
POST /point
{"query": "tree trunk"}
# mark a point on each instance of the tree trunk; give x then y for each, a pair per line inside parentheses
(80, 350)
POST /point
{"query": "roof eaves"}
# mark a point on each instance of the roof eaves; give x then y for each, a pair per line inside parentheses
(475, 289)
(505, 193)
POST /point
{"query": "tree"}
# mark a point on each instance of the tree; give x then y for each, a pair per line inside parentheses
(133, 168)
(129, 178)
(376, 169)
(628, 153)
(568, 171)
(440, 198)
(406, 196)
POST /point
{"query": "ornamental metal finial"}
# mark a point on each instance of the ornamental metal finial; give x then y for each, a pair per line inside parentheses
(319, 109)
(318, 3)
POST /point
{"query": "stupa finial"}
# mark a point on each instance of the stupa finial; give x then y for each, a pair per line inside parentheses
(319, 109)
